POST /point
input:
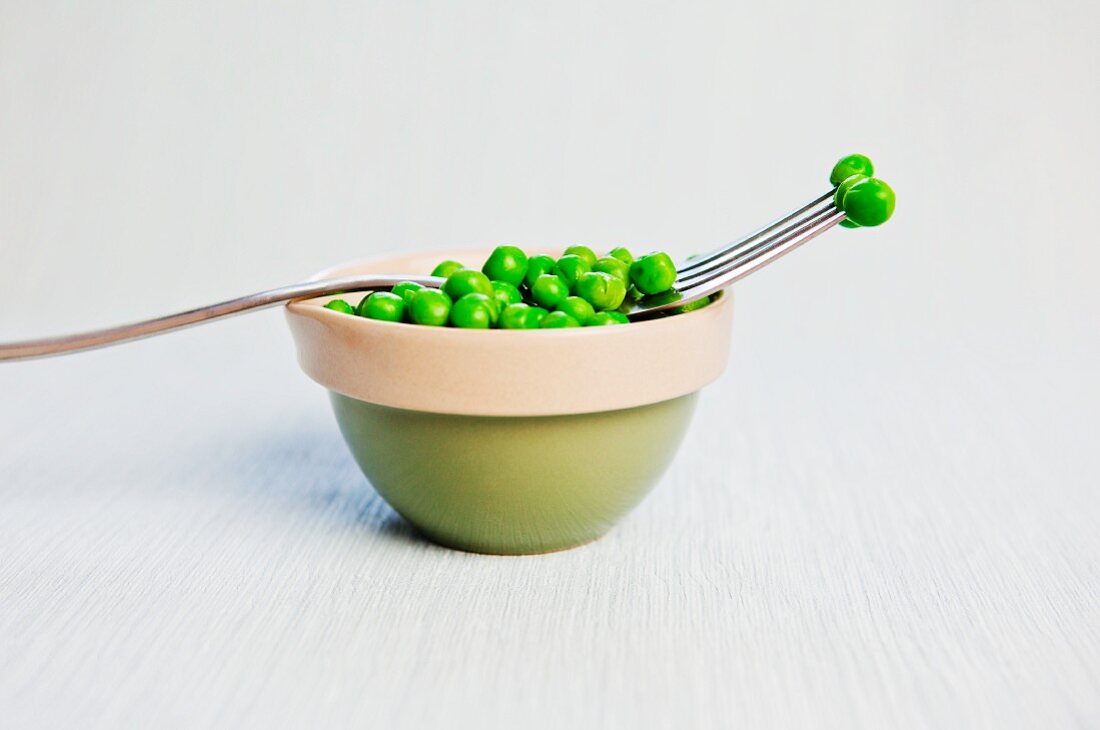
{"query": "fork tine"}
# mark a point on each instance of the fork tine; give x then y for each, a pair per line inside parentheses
(751, 258)
(731, 256)
(764, 253)
(752, 237)
(736, 256)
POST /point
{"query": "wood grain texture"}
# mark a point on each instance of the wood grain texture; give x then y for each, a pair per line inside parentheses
(186, 543)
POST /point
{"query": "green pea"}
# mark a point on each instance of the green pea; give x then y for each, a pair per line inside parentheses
(467, 281)
(506, 263)
(549, 291)
(845, 185)
(405, 289)
(473, 311)
(569, 268)
(584, 252)
(339, 305)
(521, 316)
(446, 268)
(665, 297)
(848, 224)
(851, 165)
(601, 319)
(577, 308)
(505, 294)
(622, 254)
(555, 320)
(633, 296)
(537, 266)
(601, 290)
(514, 316)
(869, 202)
(653, 273)
(430, 307)
(691, 306)
(383, 305)
(615, 267)
(497, 307)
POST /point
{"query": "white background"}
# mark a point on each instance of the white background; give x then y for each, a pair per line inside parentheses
(885, 514)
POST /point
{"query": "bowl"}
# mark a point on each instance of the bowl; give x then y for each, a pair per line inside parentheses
(509, 441)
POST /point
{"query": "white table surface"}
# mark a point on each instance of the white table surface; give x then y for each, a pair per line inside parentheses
(885, 515)
(841, 543)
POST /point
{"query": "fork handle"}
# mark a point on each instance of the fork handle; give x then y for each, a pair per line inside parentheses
(49, 346)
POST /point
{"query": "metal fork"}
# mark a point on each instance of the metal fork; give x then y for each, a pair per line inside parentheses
(699, 277)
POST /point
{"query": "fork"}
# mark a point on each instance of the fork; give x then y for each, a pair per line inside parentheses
(699, 277)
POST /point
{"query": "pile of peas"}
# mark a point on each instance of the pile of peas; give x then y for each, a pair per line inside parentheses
(516, 291)
(865, 200)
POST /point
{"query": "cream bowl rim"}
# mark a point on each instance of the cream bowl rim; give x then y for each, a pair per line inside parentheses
(456, 371)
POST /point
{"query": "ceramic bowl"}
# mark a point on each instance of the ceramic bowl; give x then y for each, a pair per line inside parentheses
(509, 441)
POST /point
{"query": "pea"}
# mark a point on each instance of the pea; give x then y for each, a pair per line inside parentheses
(577, 308)
(537, 266)
(848, 224)
(505, 294)
(843, 188)
(497, 307)
(467, 281)
(615, 267)
(851, 165)
(601, 319)
(446, 268)
(506, 263)
(521, 316)
(405, 289)
(869, 202)
(556, 320)
(514, 316)
(653, 273)
(569, 268)
(339, 305)
(665, 297)
(430, 307)
(622, 254)
(633, 296)
(601, 290)
(383, 305)
(549, 291)
(473, 311)
(692, 306)
(584, 252)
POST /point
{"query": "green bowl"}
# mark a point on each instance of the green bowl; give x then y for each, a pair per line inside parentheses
(513, 485)
(509, 441)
